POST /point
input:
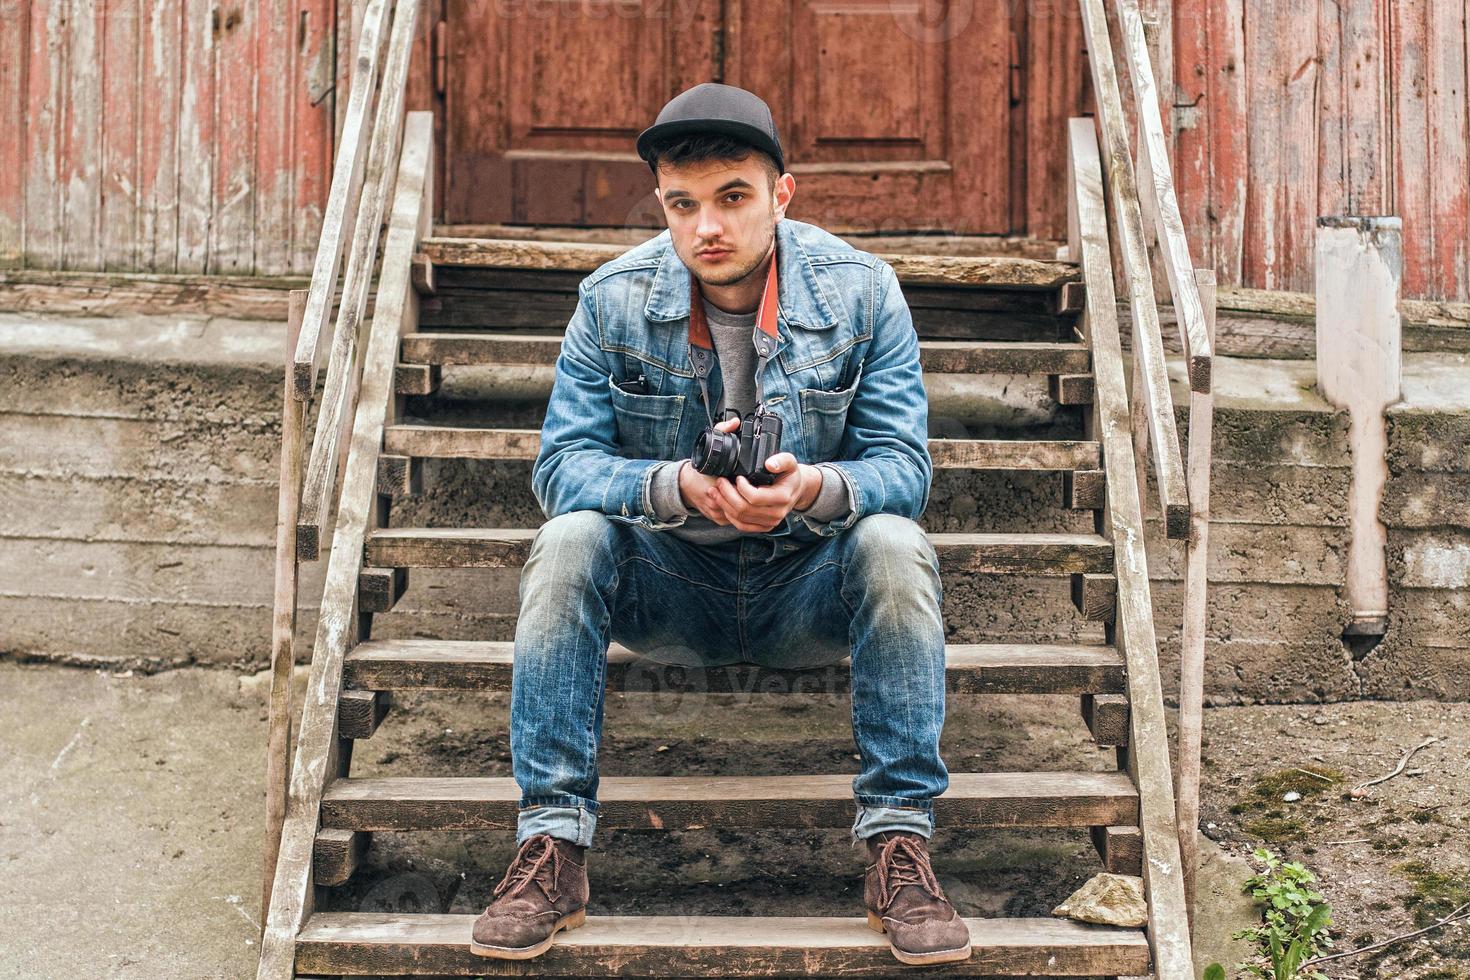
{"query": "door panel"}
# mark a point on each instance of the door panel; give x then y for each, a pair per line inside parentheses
(895, 114)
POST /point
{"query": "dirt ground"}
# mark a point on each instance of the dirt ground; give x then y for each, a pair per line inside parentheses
(130, 818)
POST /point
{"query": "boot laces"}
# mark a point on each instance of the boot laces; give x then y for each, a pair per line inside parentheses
(902, 861)
(538, 860)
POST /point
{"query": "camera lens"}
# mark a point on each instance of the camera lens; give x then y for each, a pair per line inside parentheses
(715, 452)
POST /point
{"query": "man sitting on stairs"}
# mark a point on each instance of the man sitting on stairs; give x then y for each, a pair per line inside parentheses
(651, 543)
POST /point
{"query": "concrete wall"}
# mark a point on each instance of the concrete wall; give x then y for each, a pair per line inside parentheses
(139, 463)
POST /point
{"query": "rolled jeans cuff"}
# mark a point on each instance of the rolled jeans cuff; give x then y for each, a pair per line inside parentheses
(881, 814)
(569, 821)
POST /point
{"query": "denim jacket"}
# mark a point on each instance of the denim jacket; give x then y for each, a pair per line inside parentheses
(845, 381)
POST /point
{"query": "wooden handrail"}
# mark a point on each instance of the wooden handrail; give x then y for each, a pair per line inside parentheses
(1133, 632)
(317, 760)
(1157, 174)
(335, 416)
(1157, 406)
(341, 198)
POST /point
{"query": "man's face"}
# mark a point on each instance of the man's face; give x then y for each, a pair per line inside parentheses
(722, 215)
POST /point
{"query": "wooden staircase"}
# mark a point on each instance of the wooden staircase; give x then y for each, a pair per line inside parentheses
(451, 303)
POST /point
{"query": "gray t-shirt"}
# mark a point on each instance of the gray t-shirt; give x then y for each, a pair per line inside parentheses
(732, 335)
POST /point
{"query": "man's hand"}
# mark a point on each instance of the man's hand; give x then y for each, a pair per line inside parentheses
(742, 503)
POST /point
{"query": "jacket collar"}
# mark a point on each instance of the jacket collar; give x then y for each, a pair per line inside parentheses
(800, 298)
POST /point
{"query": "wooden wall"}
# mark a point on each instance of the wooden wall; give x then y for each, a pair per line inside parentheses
(196, 135)
(1289, 110)
(165, 135)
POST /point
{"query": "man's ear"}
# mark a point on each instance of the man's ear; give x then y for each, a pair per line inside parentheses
(785, 190)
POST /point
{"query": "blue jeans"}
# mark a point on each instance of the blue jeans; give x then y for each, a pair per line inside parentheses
(872, 593)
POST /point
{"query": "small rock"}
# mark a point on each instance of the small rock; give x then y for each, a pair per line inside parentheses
(1320, 720)
(1109, 900)
(662, 748)
(1291, 796)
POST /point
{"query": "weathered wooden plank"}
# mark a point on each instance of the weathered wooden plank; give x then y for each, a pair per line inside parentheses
(312, 119)
(970, 668)
(958, 553)
(340, 391)
(15, 39)
(232, 224)
(160, 122)
(337, 855)
(1121, 849)
(283, 607)
(993, 799)
(196, 138)
(379, 589)
(1148, 741)
(453, 442)
(416, 379)
(1196, 612)
(351, 943)
(1173, 246)
(1106, 716)
(121, 95)
(318, 749)
(1055, 90)
(360, 712)
(1428, 105)
(274, 45)
(933, 270)
(1070, 389)
(1168, 464)
(80, 163)
(1095, 596)
(1084, 489)
(44, 109)
(342, 200)
(1281, 50)
(939, 356)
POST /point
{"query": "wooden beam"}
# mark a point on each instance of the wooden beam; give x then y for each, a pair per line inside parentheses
(283, 610)
(468, 547)
(970, 668)
(1148, 740)
(337, 855)
(360, 712)
(1159, 178)
(1106, 716)
(1084, 489)
(930, 270)
(339, 397)
(1196, 611)
(1071, 389)
(1118, 170)
(714, 946)
(1095, 596)
(337, 620)
(1121, 849)
(379, 589)
(342, 199)
(991, 799)
(416, 379)
(935, 356)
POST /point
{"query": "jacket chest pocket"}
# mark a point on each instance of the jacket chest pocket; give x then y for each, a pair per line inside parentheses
(824, 418)
(648, 425)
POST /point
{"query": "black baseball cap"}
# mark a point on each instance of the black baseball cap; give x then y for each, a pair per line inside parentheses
(710, 107)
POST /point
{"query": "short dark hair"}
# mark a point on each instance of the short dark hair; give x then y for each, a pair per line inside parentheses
(699, 147)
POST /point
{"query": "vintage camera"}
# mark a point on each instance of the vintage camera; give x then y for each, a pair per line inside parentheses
(743, 452)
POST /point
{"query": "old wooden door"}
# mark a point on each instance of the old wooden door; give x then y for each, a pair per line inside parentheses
(895, 114)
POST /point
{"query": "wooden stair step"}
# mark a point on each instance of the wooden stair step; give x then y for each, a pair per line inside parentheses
(462, 442)
(462, 547)
(970, 668)
(1032, 799)
(936, 356)
(382, 943)
(928, 270)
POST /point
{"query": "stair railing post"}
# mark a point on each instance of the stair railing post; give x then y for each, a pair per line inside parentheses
(283, 612)
(1196, 582)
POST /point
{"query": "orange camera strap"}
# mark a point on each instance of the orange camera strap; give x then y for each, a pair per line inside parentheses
(702, 348)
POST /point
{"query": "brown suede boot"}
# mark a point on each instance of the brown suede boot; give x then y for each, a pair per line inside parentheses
(904, 900)
(544, 890)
